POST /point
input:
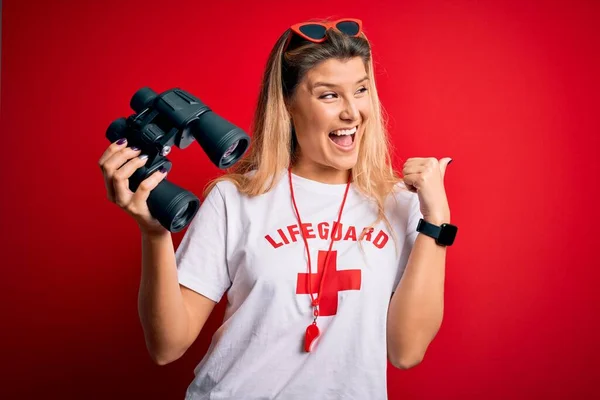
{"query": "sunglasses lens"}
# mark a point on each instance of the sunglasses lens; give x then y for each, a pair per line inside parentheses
(350, 28)
(313, 31)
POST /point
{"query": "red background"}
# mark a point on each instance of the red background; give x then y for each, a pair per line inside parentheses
(508, 89)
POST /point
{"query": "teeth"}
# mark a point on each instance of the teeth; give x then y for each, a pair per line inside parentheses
(342, 132)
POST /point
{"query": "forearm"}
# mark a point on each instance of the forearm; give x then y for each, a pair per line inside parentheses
(417, 306)
(161, 308)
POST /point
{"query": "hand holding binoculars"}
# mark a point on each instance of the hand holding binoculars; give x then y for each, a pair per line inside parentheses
(175, 118)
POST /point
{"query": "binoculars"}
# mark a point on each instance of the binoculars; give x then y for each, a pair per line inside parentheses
(175, 118)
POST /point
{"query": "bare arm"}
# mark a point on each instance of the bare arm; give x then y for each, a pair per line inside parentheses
(417, 307)
(171, 315)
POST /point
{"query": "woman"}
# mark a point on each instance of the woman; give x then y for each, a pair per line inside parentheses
(308, 236)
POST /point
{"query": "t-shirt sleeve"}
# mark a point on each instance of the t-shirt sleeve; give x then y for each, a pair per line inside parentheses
(202, 254)
(412, 218)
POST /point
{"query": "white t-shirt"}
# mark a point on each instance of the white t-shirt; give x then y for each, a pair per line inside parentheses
(252, 249)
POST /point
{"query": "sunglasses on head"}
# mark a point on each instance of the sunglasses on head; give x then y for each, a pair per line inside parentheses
(315, 31)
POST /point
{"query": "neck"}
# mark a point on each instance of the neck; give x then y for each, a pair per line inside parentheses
(321, 173)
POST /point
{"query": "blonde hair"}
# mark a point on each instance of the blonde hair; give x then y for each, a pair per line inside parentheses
(274, 145)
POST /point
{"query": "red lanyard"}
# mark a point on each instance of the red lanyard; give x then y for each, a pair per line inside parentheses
(312, 332)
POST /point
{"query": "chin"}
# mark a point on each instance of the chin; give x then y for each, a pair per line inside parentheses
(343, 163)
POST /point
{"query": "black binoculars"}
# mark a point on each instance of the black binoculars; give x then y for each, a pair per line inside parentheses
(175, 118)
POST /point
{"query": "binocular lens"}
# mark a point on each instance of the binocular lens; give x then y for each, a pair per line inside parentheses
(231, 154)
(183, 216)
(173, 206)
(230, 149)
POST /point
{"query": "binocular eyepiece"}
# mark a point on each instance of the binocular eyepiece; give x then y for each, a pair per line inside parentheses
(175, 118)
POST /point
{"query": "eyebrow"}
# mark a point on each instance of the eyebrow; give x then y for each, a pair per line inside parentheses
(317, 84)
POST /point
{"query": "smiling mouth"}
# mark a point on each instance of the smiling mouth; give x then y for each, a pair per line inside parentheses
(346, 140)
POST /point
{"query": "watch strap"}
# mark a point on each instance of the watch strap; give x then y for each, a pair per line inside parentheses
(444, 235)
(429, 229)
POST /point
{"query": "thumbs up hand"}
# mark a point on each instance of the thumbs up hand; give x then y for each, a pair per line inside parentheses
(425, 176)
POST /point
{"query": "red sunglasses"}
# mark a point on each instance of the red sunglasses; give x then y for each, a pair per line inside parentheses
(315, 31)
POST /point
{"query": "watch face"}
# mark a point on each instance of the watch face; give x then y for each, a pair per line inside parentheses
(447, 234)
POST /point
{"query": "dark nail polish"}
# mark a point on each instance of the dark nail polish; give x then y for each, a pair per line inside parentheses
(134, 148)
(450, 162)
(121, 141)
(162, 170)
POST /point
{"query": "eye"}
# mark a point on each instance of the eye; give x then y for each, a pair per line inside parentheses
(324, 96)
(333, 95)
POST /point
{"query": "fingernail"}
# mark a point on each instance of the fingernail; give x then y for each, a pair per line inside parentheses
(143, 156)
(121, 141)
(450, 161)
(134, 148)
(163, 170)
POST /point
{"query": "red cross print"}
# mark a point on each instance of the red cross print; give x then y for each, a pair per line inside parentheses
(335, 281)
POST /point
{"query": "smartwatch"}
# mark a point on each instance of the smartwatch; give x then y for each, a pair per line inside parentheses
(444, 235)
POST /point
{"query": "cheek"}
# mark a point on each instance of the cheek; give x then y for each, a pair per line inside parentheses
(365, 109)
(322, 117)
(318, 125)
(311, 138)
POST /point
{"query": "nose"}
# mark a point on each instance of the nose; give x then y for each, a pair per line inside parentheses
(350, 111)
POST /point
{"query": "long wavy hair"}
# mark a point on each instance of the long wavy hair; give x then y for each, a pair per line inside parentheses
(274, 146)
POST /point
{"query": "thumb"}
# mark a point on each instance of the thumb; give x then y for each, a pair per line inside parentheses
(444, 164)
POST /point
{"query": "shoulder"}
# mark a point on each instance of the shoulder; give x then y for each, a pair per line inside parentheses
(236, 187)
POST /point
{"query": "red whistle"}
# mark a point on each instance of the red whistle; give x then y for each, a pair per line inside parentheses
(312, 333)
